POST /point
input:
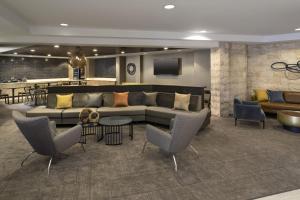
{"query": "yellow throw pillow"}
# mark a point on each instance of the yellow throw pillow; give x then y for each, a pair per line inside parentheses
(261, 95)
(64, 101)
(182, 101)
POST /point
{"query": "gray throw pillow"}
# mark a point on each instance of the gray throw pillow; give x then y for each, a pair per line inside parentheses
(150, 98)
(94, 100)
(80, 100)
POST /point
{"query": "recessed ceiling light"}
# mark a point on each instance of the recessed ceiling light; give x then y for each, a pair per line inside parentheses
(169, 6)
(96, 54)
(46, 59)
(56, 46)
(32, 50)
(49, 55)
(64, 24)
(297, 29)
(95, 50)
(69, 53)
(16, 53)
(122, 52)
(166, 48)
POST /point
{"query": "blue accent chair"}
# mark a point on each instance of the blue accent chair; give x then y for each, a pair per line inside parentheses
(248, 111)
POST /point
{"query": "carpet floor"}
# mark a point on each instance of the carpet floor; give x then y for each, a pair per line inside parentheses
(243, 162)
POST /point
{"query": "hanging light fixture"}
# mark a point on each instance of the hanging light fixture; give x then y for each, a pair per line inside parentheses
(78, 59)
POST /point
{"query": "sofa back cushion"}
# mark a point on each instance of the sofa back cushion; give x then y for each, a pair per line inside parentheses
(51, 100)
(292, 97)
(135, 98)
(108, 99)
(195, 103)
(80, 100)
(165, 99)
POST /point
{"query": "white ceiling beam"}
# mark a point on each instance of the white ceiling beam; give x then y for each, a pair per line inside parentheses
(92, 41)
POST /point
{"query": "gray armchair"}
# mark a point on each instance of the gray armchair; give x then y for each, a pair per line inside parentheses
(183, 129)
(41, 135)
(248, 110)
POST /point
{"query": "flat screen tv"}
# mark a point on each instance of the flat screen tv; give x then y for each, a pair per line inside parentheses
(167, 66)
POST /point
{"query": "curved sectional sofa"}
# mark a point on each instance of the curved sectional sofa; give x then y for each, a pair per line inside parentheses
(137, 110)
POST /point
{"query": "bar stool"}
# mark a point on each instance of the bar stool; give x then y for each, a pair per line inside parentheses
(5, 97)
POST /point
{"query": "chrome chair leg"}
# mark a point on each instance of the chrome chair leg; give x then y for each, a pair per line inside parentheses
(49, 165)
(82, 146)
(26, 157)
(194, 150)
(175, 163)
(144, 147)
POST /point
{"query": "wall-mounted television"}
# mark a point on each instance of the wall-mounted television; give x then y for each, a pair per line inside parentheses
(167, 66)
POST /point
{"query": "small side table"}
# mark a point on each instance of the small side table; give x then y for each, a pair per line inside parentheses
(90, 129)
(112, 127)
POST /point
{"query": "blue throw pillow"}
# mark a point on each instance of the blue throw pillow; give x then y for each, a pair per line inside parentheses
(275, 96)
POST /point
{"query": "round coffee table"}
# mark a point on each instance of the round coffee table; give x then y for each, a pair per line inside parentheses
(290, 120)
(112, 127)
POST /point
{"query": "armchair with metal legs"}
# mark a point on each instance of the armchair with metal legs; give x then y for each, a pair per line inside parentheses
(41, 135)
(184, 127)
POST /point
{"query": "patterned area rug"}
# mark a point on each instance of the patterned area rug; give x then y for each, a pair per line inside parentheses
(243, 162)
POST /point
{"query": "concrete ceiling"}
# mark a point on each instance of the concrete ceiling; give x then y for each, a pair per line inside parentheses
(225, 20)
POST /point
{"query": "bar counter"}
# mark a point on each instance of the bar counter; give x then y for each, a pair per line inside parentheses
(14, 88)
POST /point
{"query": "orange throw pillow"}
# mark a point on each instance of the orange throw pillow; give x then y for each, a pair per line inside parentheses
(120, 99)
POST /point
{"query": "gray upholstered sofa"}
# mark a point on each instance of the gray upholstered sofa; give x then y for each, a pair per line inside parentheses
(137, 110)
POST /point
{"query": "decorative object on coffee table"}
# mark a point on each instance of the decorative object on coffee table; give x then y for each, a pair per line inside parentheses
(112, 127)
(84, 115)
(290, 120)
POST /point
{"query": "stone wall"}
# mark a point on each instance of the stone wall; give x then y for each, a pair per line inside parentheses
(237, 69)
(228, 77)
(260, 58)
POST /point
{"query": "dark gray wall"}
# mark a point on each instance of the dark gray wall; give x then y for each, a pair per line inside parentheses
(32, 68)
(105, 67)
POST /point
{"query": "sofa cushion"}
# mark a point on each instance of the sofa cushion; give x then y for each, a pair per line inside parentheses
(162, 112)
(275, 96)
(195, 103)
(94, 100)
(261, 95)
(80, 100)
(64, 101)
(108, 99)
(128, 111)
(74, 112)
(150, 98)
(51, 100)
(182, 101)
(292, 97)
(165, 99)
(268, 106)
(135, 98)
(120, 99)
(44, 111)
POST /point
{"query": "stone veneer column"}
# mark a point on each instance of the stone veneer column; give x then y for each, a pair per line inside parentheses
(228, 77)
(220, 79)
